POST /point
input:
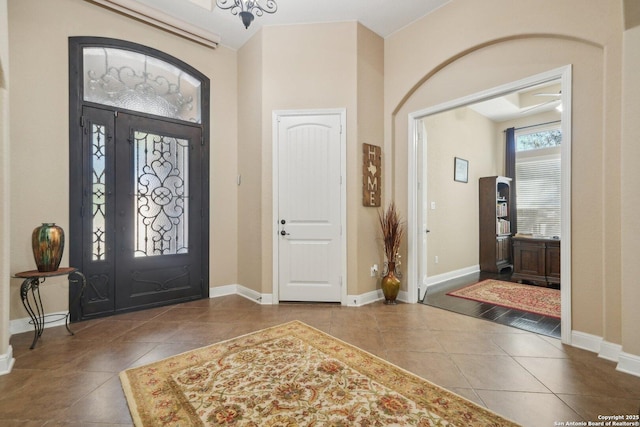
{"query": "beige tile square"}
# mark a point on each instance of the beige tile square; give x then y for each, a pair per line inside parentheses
(529, 409)
(467, 343)
(596, 377)
(411, 339)
(529, 344)
(590, 407)
(489, 372)
(435, 367)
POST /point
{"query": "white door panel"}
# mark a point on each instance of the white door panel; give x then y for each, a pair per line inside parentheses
(310, 276)
(309, 208)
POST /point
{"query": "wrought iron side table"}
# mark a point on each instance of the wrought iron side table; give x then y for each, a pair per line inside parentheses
(32, 281)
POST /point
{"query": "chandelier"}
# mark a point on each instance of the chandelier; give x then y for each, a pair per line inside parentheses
(247, 8)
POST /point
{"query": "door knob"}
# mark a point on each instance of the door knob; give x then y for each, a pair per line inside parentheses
(284, 233)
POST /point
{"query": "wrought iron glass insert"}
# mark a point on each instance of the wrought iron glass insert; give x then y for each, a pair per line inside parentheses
(134, 81)
(98, 192)
(162, 195)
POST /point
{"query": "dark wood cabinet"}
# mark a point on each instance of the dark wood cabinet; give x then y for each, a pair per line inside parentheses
(503, 251)
(529, 260)
(495, 223)
(536, 260)
(552, 262)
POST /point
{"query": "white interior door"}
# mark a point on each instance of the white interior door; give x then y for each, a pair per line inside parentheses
(309, 207)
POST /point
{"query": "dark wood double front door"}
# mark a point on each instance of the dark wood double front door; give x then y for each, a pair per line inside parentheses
(140, 237)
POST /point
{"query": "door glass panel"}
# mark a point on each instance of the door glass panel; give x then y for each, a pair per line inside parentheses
(131, 80)
(98, 192)
(161, 168)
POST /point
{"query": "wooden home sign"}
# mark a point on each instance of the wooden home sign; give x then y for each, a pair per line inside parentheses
(371, 174)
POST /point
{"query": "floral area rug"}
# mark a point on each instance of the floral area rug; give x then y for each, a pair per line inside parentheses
(290, 375)
(533, 299)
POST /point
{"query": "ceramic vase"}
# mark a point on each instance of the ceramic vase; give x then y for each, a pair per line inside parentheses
(390, 284)
(47, 242)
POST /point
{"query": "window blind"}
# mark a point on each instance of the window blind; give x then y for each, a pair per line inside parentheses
(538, 196)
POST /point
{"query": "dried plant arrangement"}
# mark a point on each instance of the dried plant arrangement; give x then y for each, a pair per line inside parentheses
(392, 231)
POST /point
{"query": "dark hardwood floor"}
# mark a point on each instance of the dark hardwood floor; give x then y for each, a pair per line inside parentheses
(437, 297)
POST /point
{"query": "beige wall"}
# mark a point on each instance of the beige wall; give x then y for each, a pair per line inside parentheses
(630, 315)
(453, 224)
(316, 66)
(250, 89)
(489, 50)
(40, 135)
(5, 225)
(313, 66)
(370, 119)
(631, 14)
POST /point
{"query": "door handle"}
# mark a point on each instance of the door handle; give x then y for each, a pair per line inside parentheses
(284, 233)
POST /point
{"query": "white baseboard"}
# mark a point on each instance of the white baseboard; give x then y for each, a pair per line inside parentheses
(432, 281)
(264, 299)
(439, 278)
(373, 296)
(629, 364)
(7, 361)
(18, 326)
(402, 296)
(364, 299)
(222, 291)
(243, 291)
(267, 299)
(610, 351)
(586, 341)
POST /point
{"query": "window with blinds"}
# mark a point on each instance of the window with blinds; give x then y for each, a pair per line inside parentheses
(538, 184)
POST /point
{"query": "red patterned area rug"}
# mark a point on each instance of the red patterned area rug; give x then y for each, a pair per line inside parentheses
(290, 375)
(533, 299)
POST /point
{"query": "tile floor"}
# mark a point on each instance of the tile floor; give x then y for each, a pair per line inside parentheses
(532, 379)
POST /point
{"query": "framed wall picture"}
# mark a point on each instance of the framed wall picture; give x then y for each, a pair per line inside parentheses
(460, 170)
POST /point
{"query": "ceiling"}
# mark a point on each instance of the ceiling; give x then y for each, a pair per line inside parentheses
(526, 102)
(384, 17)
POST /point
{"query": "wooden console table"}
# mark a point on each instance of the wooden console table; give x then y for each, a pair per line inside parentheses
(536, 260)
(32, 302)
